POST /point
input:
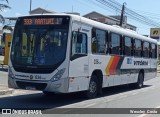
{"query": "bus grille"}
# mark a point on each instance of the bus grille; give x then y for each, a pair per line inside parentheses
(37, 86)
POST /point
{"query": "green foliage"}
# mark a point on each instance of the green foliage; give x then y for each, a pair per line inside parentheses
(2, 7)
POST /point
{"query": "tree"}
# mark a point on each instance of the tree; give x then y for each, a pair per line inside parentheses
(2, 7)
(6, 27)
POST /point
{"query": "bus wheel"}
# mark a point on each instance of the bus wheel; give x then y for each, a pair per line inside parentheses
(140, 80)
(93, 88)
(48, 93)
(139, 83)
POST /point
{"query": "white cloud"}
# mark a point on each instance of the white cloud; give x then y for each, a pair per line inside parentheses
(4, 10)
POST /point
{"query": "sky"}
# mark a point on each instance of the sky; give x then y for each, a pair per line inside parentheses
(148, 8)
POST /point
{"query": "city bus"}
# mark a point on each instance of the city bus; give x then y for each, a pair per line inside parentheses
(64, 53)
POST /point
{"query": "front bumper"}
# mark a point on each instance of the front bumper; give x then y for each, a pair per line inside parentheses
(60, 86)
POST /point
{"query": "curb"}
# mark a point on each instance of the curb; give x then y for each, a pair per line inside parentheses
(6, 92)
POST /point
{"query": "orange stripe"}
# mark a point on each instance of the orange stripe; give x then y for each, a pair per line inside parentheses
(109, 64)
(112, 69)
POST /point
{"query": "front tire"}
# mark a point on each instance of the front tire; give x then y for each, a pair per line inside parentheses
(93, 88)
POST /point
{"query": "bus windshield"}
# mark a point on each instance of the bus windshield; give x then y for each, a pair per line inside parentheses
(40, 41)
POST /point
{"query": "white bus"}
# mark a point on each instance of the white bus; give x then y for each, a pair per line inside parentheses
(62, 53)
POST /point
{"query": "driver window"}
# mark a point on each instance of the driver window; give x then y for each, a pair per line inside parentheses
(79, 43)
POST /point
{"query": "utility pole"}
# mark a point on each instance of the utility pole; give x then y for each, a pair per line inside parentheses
(122, 14)
(30, 6)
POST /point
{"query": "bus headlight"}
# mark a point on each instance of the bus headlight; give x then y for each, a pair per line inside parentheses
(58, 75)
(10, 73)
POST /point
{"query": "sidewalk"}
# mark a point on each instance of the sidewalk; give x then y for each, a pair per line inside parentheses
(4, 90)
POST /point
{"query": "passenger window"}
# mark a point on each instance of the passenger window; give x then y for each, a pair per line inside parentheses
(98, 41)
(127, 46)
(79, 43)
(153, 51)
(115, 44)
(138, 48)
(146, 49)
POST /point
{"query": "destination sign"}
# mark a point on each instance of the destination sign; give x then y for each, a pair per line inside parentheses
(42, 21)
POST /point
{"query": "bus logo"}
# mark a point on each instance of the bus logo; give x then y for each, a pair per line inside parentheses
(31, 77)
(140, 62)
(129, 60)
(155, 32)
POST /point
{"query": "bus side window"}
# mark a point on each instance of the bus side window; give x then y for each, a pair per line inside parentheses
(79, 43)
(133, 47)
(115, 46)
(94, 41)
(138, 48)
(127, 46)
(99, 41)
(153, 51)
(146, 49)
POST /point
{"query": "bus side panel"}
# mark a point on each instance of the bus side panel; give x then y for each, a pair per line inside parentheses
(101, 62)
(79, 68)
(132, 66)
(147, 70)
(129, 72)
(78, 74)
(152, 73)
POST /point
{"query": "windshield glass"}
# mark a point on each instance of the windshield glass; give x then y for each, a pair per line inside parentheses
(40, 41)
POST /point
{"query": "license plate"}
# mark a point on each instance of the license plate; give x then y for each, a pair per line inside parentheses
(30, 88)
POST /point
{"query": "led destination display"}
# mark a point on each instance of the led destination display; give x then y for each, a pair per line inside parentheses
(42, 21)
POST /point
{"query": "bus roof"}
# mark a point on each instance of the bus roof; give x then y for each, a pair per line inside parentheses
(114, 29)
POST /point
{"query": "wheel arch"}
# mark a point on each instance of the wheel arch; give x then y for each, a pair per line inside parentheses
(99, 75)
(98, 72)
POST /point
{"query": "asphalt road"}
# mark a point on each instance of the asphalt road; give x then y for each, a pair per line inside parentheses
(114, 97)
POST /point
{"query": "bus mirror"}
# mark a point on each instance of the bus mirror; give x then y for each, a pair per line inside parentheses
(79, 38)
